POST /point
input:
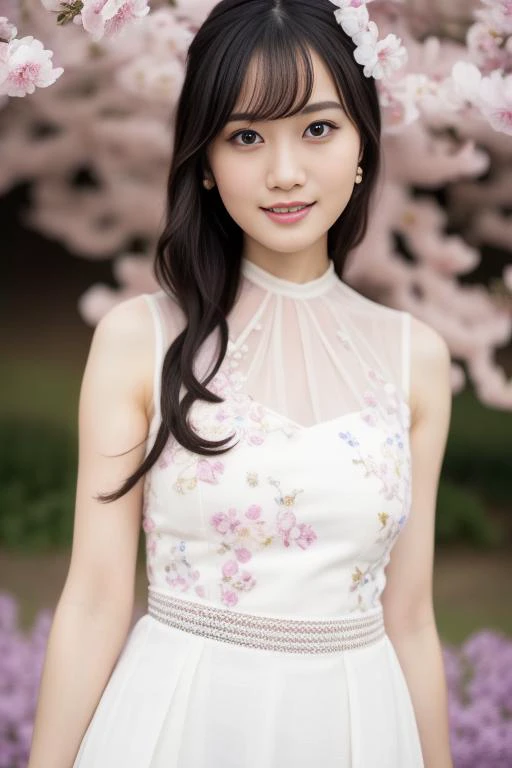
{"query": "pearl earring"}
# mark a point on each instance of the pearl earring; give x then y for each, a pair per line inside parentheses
(359, 176)
(208, 183)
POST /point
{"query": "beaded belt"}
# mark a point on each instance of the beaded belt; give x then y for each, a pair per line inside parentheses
(266, 632)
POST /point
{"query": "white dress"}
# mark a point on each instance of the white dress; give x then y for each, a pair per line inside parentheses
(295, 524)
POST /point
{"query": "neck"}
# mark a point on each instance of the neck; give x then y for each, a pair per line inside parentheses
(270, 281)
(293, 270)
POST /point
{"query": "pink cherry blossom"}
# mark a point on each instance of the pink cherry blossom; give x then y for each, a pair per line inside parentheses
(496, 101)
(379, 57)
(353, 20)
(391, 55)
(106, 18)
(366, 51)
(25, 65)
(498, 15)
(483, 45)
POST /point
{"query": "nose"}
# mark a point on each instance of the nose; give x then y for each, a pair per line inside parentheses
(285, 168)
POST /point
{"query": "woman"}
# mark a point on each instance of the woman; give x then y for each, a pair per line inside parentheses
(289, 434)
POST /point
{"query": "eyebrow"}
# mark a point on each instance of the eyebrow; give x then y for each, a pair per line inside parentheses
(316, 107)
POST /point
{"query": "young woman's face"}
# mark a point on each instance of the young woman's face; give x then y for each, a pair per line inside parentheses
(311, 158)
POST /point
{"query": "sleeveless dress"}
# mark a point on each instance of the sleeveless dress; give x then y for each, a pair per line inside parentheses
(264, 644)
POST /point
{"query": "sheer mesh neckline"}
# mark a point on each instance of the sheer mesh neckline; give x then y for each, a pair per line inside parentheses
(309, 352)
(270, 282)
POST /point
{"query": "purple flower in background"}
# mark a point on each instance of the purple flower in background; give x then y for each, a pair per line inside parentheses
(21, 661)
(479, 677)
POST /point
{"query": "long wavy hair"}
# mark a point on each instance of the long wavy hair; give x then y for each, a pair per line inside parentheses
(199, 252)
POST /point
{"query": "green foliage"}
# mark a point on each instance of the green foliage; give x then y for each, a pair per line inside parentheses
(461, 517)
(478, 453)
(477, 473)
(37, 485)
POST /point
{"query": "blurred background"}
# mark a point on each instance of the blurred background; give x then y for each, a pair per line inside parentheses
(82, 178)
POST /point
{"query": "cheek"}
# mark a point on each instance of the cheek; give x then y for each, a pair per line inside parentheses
(338, 167)
(235, 175)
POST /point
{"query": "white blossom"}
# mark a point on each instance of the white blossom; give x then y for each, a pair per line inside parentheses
(25, 65)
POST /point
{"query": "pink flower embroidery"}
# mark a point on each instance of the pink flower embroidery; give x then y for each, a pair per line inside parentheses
(254, 512)
(243, 534)
(243, 555)
(225, 521)
(229, 568)
(229, 597)
(292, 532)
(207, 471)
(307, 536)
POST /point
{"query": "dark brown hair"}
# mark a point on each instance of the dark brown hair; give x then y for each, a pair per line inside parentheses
(198, 254)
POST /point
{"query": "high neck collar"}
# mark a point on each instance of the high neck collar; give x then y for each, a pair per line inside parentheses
(271, 282)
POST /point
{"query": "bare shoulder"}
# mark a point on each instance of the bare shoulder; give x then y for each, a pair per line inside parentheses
(125, 336)
(430, 370)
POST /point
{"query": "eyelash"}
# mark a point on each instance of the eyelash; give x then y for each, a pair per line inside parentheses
(250, 130)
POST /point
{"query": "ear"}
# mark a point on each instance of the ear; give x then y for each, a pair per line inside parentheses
(206, 170)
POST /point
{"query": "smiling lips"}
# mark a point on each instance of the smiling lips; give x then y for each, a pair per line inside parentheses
(293, 204)
(290, 214)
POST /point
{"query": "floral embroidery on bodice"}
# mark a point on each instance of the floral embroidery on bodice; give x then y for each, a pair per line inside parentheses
(299, 518)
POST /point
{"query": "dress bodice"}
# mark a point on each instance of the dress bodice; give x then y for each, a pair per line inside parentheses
(298, 519)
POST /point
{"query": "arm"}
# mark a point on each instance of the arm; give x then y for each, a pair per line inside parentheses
(407, 598)
(95, 608)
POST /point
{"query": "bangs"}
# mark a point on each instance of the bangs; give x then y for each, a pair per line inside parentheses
(278, 81)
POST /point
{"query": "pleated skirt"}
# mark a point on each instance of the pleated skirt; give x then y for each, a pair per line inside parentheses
(178, 700)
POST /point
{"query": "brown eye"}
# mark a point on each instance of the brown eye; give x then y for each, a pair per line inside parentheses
(320, 125)
(244, 133)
